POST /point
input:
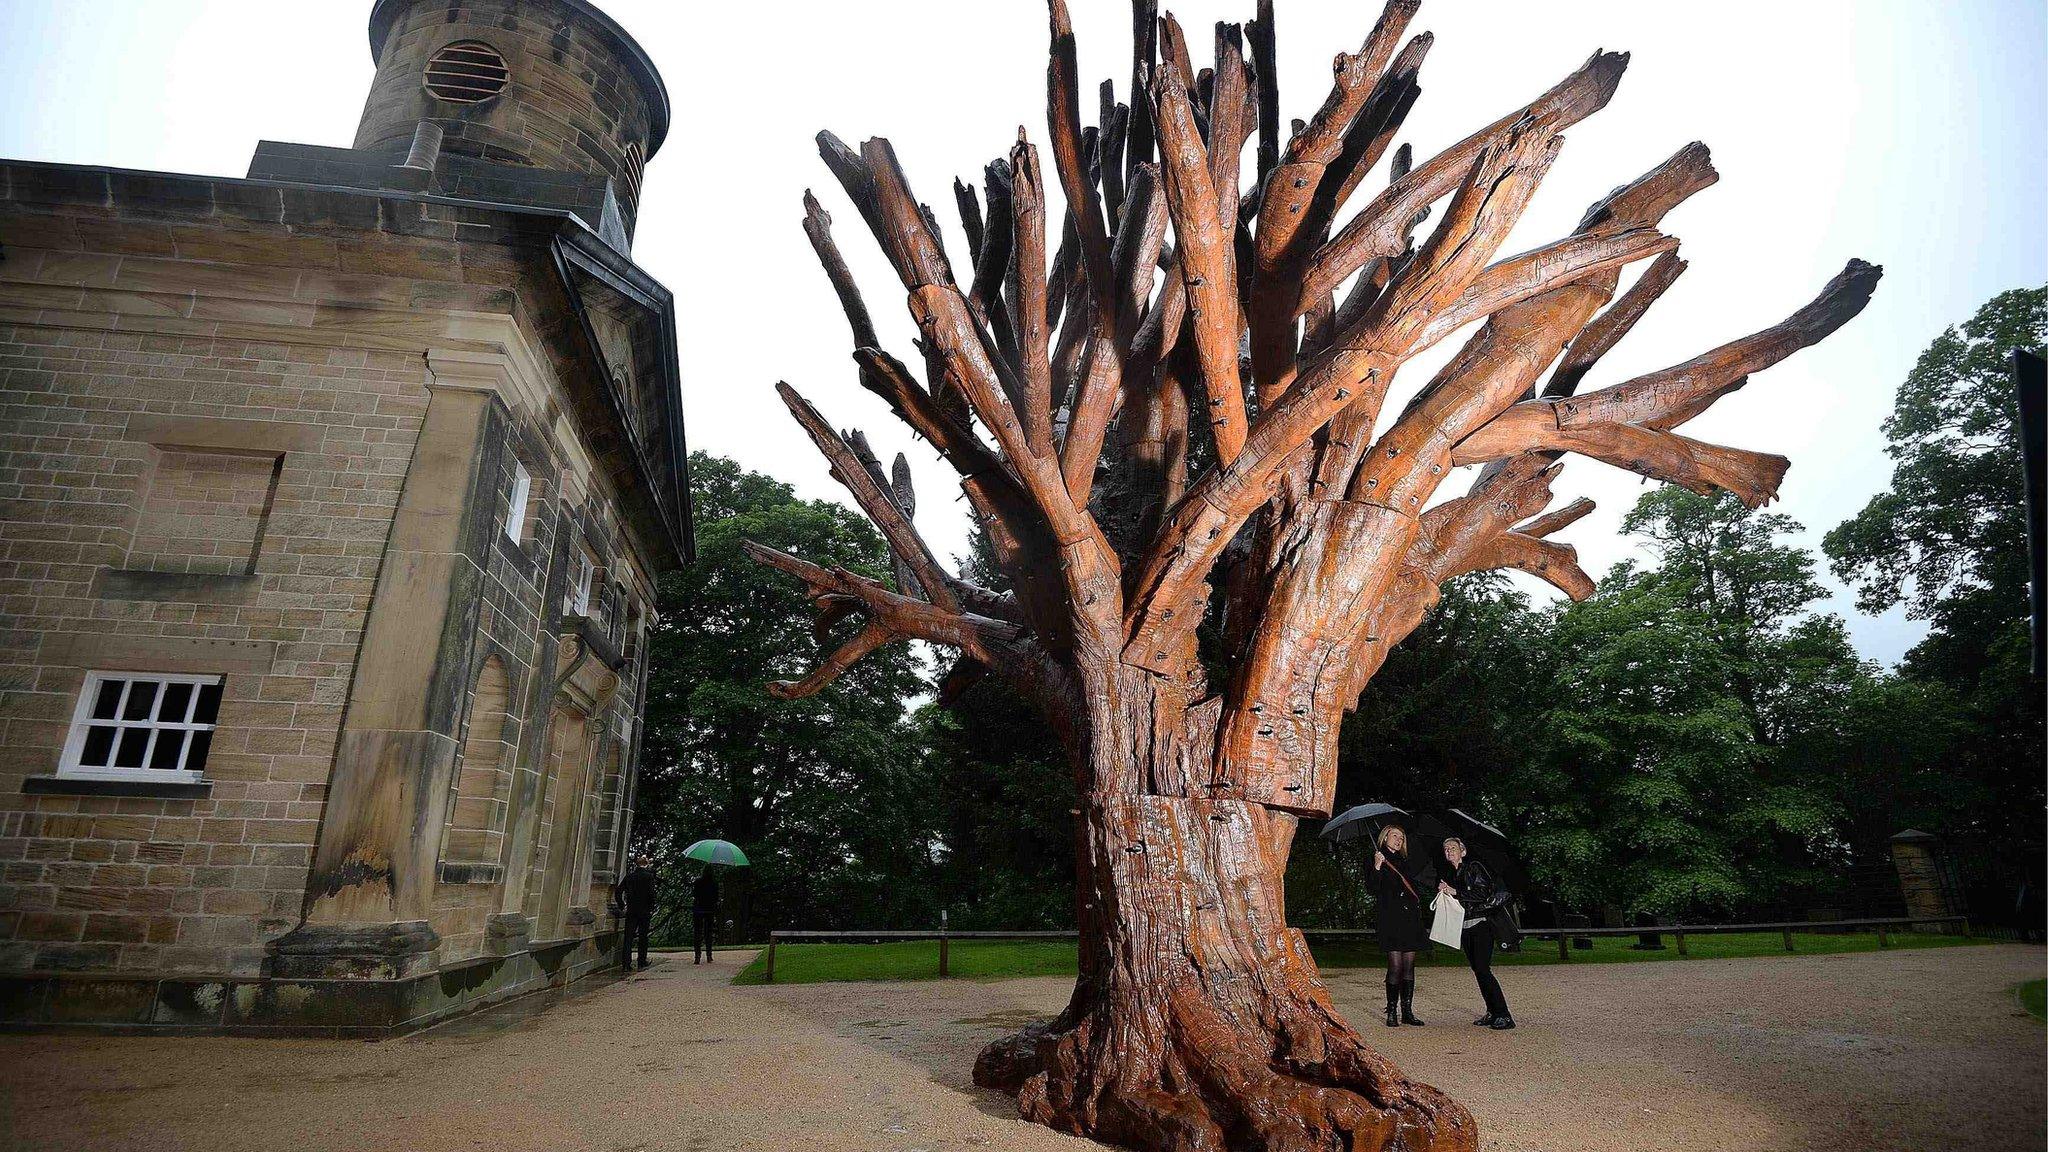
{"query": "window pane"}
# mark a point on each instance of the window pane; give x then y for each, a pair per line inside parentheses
(140, 696)
(134, 742)
(109, 699)
(196, 758)
(99, 740)
(176, 702)
(165, 755)
(209, 703)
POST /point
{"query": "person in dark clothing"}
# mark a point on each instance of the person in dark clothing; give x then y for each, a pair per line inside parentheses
(1487, 923)
(703, 913)
(1399, 882)
(634, 899)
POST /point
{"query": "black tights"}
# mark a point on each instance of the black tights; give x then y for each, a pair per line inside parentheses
(1400, 972)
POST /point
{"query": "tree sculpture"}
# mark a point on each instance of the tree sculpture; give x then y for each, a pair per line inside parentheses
(1176, 451)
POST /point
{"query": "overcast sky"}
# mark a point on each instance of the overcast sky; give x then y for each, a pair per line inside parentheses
(1910, 134)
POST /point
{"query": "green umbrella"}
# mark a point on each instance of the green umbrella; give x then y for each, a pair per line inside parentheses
(716, 852)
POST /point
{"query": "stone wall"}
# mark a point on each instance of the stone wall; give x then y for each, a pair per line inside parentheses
(129, 882)
(242, 331)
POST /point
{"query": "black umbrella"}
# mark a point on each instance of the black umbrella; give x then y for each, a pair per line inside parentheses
(1365, 821)
(1490, 845)
(1362, 821)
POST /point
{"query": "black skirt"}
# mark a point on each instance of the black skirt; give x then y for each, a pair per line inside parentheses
(1403, 918)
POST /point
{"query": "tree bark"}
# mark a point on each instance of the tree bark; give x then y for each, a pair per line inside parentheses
(1199, 1022)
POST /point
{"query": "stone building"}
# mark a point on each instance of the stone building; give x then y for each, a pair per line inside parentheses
(332, 502)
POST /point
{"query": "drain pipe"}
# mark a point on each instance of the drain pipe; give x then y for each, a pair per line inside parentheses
(426, 146)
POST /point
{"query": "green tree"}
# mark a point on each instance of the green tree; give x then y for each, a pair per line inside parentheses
(1947, 540)
(825, 794)
(1677, 768)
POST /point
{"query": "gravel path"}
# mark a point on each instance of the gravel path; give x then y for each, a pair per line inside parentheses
(1901, 1050)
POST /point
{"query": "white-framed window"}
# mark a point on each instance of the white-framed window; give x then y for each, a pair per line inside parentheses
(582, 570)
(142, 726)
(522, 489)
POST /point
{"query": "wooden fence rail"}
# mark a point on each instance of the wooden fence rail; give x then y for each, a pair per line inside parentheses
(1884, 927)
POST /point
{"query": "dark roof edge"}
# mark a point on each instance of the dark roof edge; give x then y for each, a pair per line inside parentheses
(385, 11)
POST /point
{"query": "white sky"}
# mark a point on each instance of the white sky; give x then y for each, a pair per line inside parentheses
(1907, 133)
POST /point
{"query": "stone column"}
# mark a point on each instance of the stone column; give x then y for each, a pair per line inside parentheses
(1924, 881)
(371, 885)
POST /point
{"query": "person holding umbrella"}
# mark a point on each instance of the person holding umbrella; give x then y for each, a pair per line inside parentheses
(1486, 922)
(704, 893)
(703, 915)
(1398, 884)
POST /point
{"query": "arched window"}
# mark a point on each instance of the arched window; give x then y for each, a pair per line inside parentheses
(483, 775)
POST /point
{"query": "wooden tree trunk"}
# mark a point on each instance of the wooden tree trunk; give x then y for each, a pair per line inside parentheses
(1257, 492)
(1199, 1022)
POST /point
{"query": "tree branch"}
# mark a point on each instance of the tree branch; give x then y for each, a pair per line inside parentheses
(1377, 229)
(818, 226)
(978, 636)
(1552, 522)
(1548, 560)
(870, 637)
(1063, 121)
(1628, 424)
(1607, 329)
(1485, 208)
(1027, 201)
(1139, 234)
(1203, 251)
(879, 504)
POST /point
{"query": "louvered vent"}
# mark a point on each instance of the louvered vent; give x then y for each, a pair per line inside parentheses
(634, 163)
(467, 72)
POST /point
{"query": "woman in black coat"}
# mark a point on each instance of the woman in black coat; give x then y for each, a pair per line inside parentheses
(1487, 922)
(1400, 884)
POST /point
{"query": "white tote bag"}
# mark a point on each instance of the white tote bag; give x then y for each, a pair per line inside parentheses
(1449, 928)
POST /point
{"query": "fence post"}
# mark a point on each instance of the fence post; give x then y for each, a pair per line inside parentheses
(1681, 942)
(768, 977)
(1788, 939)
(943, 972)
(1564, 946)
(1882, 942)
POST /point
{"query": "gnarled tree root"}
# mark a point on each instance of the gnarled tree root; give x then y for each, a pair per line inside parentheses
(1187, 1075)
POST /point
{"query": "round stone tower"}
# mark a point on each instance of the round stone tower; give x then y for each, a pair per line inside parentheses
(550, 84)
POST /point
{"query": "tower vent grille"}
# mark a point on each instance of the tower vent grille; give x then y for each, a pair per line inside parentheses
(467, 72)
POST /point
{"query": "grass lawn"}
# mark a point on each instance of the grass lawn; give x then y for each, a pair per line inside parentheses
(1007, 959)
(2034, 998)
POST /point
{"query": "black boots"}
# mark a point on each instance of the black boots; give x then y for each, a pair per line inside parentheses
(1502, 1022)
(1401, 1005)
(1485, 1021)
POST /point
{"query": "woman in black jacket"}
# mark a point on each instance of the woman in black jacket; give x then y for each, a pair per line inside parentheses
(1399, 887)
(1486, 922)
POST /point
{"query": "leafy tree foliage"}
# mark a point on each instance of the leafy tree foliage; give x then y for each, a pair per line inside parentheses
(1951, 530)
(825, 794)
(1948, 541)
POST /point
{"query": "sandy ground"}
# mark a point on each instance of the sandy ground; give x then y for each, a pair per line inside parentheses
(1903, 1050)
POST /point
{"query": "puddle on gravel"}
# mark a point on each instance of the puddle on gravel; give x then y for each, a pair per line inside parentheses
(1007, 1018)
